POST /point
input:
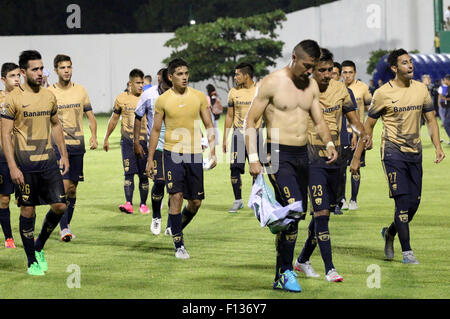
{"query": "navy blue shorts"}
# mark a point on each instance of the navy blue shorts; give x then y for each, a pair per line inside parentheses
(404, 178)
(75, 172)
(323, 187)
(41, 188)
(6, 184)
(132, 163)
(238, 150)
(289, 176)
(183, 173)
(158, 164)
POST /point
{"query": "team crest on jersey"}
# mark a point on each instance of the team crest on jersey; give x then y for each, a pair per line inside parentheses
(394, 187)
(170, 185)
(291, 200)
(25, 197)
(318, 201)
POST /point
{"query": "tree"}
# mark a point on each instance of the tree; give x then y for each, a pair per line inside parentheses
(214, 49)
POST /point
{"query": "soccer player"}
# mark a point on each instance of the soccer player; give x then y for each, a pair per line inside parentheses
(324, 177)
(362, 95)
(10, 74)
(181, 109)
(72, 101)
(239, 100)
(30, 118)
(147, 82)
(125, 105)
(286, 99)
(400, 103)
(146, 106)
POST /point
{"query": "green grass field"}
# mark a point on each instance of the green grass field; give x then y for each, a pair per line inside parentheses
(231, 255)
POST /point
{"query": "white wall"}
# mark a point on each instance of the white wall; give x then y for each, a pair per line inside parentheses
(349, 28)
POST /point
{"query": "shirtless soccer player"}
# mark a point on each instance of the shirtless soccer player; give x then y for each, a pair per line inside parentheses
(286, 99)
(11, 80)
(73, 101)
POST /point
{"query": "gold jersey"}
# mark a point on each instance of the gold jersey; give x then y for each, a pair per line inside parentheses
(362, 96)
(31, 113)
(240, 99)
(334, 101)
(401, 110)
(2, 99)
(71, 103)
(181, 114)
(125, 105)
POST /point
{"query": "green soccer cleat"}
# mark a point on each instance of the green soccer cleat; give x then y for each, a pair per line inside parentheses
(35, 270)
(41, 260)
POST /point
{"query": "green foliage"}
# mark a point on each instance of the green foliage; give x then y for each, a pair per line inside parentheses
(375, 56)
(213, 49)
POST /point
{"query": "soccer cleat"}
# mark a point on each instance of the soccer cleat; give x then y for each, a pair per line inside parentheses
(306, 268)
(66, 235)
(237, 204)
(41, 260)
(333, 276)
(344, 205)
(144, 209)
(9, 243)
(35, 270)
(127, 208)
(388, 244)
(168, 231)
(409, 258)
(352, 205)
(337, 210)
(288, 282)
(155, 227)
(181, 253)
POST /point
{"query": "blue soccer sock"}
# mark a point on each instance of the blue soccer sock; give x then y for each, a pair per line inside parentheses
(324, 241)
(68, 213)
(5, 221)
(26, 227)
(177, 231)
(51, 220)
(128, 188)
(157, 197)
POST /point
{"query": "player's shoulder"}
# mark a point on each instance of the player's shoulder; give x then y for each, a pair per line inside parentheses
(196, 92)
(419, 84)
(121, 96)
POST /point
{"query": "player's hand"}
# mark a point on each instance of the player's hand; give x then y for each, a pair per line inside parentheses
(368, 142)
(212, 161)
(255, 169)
(64, 165)
(332, 155)
(439, 156)
(93, 143)
(355, 166)
(106, 145)
(224, 147)
(354, 142)
(17, 176)
(150, 168)
(138, 150)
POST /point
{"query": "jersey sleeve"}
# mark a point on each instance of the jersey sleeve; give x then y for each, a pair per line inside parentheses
(9, 108)
(349, 103)
(367, 96)
(428, 102)
(159, 105)
(54, 104)
(143, 106)
(117, 107)
(231, 98)
(377, 107)
(86, 102)
(203, 101)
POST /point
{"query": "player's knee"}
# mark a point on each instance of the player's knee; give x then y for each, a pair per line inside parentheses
(194, 205)
(4, 201)
(59, 208)
(71, 191)
(27, 211)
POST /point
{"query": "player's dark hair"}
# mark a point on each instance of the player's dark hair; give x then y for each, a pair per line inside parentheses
(148, 77)
(349, 63)
(246, 68)
(8, 67)
(210, 88)
(26, 56)
(393, 56)
(325, 55)
(176, 63)
(136, 73)
(446, 77)
(161, 71)
(165, 76)
(61, 58)
(310, 47)
(339, 66)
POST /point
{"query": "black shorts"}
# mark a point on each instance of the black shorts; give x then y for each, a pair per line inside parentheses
(183, 173)
(238, 150)
(289, 174)
(158, 164)
(41, 188)
(6, 184)
(132, 163)
(75, 172)
(404, 178)
(346, 155)
(323, 187)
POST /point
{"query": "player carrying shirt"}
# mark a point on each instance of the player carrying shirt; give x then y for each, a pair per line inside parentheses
(72, 100)
(11, 79)
(124, 106)
(29, 120)
(400, 103)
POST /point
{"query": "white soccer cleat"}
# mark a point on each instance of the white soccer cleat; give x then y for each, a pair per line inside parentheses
(155, 227)
(344, 204)
(352, 205)
(181, 253)
(409, 258)
(333, 276)
(306, 268)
